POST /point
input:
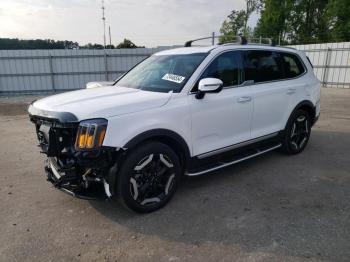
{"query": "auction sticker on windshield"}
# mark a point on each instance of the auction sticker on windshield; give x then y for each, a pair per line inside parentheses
(174, 78)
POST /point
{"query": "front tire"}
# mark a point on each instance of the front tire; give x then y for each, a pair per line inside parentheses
(297, 133)
(148, 177)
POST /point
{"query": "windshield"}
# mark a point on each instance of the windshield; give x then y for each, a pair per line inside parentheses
(162, 73)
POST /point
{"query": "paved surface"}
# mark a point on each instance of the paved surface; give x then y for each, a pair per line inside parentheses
(272, 208)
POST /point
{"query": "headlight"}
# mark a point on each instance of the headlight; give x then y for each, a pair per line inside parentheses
(91, 133)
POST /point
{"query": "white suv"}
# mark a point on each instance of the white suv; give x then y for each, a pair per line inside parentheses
(185, 111)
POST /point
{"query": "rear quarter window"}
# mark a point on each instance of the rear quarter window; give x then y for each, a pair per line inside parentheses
(292, 65)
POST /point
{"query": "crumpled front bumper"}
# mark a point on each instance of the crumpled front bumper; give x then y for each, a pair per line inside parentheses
(72, 184)
(83, 174)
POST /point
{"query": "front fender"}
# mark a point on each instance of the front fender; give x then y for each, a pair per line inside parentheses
(172, 120)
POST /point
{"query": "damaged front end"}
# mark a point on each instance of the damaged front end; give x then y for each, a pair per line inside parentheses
(77, 163)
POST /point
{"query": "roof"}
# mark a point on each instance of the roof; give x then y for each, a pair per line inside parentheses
(206, 49)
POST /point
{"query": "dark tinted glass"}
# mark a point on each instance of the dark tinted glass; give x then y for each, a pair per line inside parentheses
(292, 65)
(262, 66)
(226, 67)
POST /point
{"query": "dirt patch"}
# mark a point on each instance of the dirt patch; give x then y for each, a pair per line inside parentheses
(13, 109)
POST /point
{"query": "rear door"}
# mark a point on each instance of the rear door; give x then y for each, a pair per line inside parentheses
(270, 94)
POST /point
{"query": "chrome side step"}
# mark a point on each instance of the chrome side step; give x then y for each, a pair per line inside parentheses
(233, 162)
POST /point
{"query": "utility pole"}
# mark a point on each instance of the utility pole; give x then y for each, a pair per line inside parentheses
(104, 24)
(110, 37)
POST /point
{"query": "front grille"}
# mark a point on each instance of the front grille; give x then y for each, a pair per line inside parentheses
(55, 139)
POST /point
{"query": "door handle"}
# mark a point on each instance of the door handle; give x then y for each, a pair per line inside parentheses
(291, 91)
(244, 99)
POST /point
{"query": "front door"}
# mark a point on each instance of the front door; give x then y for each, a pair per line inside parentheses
(222, 119)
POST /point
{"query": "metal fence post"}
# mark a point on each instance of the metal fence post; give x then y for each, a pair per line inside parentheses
(106, 66)
(326, 66)
(52, 74)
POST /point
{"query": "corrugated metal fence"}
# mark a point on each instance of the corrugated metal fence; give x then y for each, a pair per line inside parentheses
(42, 71)
(331, 62)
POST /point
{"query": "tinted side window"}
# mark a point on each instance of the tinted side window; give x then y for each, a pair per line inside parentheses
(262, 66)
(227, 67)
(292, 65)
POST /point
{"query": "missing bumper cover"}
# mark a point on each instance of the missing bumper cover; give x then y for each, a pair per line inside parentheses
(73, 184)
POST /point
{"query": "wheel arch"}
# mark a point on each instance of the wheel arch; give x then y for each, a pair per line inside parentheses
(308, 106)
(168, 137)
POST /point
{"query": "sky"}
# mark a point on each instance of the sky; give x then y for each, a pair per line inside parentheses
(150, 22)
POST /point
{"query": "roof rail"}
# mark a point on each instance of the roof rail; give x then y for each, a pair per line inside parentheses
(240, 39)
(261, 40)
(189, 43)
(254, 41)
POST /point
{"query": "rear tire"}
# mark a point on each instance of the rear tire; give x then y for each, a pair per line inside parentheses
(148, 177)
(297, 133)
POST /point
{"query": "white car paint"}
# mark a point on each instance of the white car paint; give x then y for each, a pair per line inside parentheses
(104, 102)
(219, 120)
(99, 84)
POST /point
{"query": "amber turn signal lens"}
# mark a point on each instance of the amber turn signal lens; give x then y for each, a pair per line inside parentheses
(91, 134)
(82, 139)
(90, 141)
(101, 136)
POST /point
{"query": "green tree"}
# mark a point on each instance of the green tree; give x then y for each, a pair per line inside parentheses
(251, 7)
(236, 23)
(339, 13)
(274, 19)
(232, 26)
(310, 21)
(304, 21)
(13, 44)
(126, 44)
(92, 46)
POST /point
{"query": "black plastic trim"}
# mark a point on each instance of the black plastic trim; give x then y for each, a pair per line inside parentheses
(201, 164)
(305, 103)
(237, 145)
(154, 133)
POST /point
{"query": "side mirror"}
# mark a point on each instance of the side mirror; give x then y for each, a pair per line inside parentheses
(209, 85)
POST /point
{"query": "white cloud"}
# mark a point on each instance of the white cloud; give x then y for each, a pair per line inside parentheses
(150, 22)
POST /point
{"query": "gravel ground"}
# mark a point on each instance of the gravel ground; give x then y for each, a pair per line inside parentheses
(272, 208)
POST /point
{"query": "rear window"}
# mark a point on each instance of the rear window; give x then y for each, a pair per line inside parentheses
(262, 66)
(292, 65)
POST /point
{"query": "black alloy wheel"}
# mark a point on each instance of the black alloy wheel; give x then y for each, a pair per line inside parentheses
(149, 176)
(297, 133)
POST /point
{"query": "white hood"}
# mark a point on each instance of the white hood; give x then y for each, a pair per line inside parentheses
(98, 84)
(102, 102)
